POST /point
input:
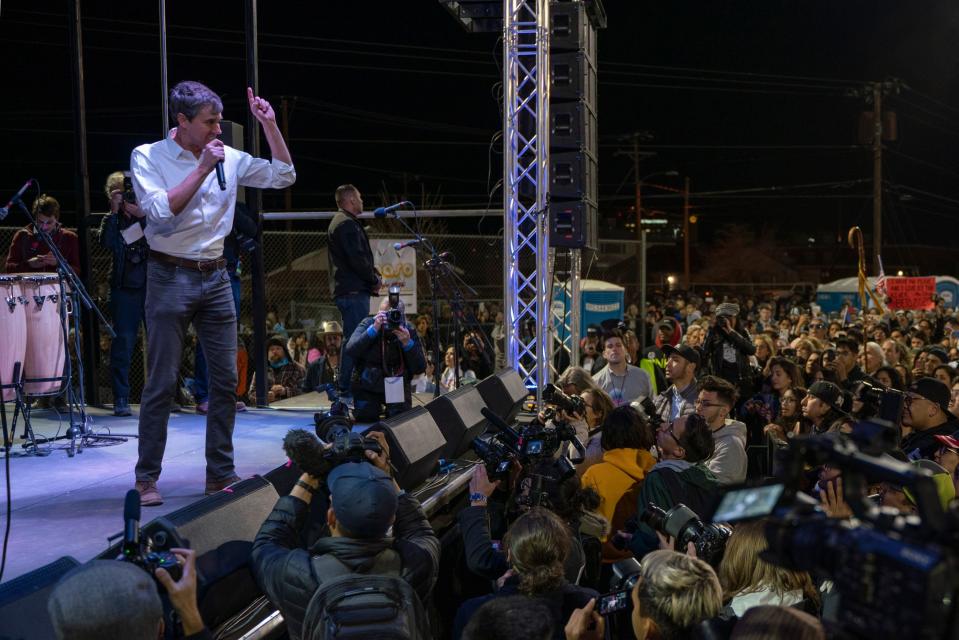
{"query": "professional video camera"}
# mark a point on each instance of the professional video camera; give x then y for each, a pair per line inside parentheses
(534, 446)
(570, 404)
(394, 315)
(880, 402)
(141, 552)
(333, 428)
(896, 575)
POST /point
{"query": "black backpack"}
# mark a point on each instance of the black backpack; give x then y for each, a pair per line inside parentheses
(377, 605)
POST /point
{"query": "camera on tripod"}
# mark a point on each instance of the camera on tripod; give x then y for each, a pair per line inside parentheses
(880, 402)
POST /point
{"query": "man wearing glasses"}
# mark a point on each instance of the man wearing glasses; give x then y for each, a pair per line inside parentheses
(927, 413)
(29, 253)
(715, 402)
(680, 475)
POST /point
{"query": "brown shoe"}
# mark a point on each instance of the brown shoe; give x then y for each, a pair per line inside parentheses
(149, 496)
(212, 486)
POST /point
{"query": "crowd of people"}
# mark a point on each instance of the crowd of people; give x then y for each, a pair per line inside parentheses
(720, 386)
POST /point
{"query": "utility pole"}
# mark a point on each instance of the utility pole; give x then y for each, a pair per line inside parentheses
(642, 292)
(686, 233)
(876, 175)
(639, 188)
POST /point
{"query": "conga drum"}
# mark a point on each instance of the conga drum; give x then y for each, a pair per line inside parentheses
(46, 351)
(13, 329)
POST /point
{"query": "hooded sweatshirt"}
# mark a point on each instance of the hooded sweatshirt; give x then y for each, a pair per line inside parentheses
(669, 483)
(615, 476)
(728, 461)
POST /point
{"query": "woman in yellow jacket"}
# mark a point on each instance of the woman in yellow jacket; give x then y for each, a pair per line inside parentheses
(626, 440)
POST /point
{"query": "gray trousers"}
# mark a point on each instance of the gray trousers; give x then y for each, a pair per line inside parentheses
(175, 297)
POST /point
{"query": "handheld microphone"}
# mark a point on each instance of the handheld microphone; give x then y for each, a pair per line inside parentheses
(408, 243)
(15, 199)
(220, 175)
(131, 524)
(380, 212)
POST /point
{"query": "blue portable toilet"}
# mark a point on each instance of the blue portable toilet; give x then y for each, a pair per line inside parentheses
(831, 296)
(599, 301)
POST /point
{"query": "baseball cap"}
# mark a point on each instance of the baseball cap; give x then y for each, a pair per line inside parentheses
(364, 498)
(933, 390)
(683, 351)
(832, 395)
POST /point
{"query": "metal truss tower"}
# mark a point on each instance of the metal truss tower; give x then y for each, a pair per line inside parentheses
(527, 276)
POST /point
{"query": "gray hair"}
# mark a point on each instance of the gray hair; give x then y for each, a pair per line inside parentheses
(677, 592)
(106, 600)
(189, 97)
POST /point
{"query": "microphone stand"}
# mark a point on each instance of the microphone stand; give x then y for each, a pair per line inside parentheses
(439, 269)
(75, 404)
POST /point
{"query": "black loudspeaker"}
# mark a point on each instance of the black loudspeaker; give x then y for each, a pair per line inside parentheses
(23, 602)
(504, 393)
(220, 528)
(458, 416)
(572, 224)
(415, 446)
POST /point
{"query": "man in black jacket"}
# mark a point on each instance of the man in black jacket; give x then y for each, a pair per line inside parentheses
(364, 502)
(927, 413)
(387, 357)
(727, 350)
(353, 276)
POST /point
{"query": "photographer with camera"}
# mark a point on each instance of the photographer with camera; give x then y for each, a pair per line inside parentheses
(387, 354)
(109, 600)
(727, 350)
(680, 475)
(574, 505)
(590, 356)
(670, 596)
(121, 232)
(538, 544)
(365, 502)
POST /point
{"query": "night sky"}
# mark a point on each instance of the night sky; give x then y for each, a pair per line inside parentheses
(398, 98)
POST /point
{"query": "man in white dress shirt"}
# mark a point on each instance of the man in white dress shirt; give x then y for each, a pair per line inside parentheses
(188, 215)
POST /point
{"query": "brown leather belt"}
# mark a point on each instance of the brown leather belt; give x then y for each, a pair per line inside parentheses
(195, 265)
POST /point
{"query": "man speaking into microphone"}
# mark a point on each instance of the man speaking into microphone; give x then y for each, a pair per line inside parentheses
(189, 205)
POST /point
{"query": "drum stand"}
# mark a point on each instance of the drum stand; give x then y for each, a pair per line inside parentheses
(31, 448)
(80, 432)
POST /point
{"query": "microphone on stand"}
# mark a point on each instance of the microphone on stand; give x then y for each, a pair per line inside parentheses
(408, 243)
(5, 210)
(220, 175)
(380, 212)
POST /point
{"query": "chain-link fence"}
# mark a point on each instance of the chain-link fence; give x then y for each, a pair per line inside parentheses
(298, 291)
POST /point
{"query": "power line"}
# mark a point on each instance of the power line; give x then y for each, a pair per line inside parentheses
(931, 99)
(930, 194)
(739, 73)
(638, 85)
(921, 161)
